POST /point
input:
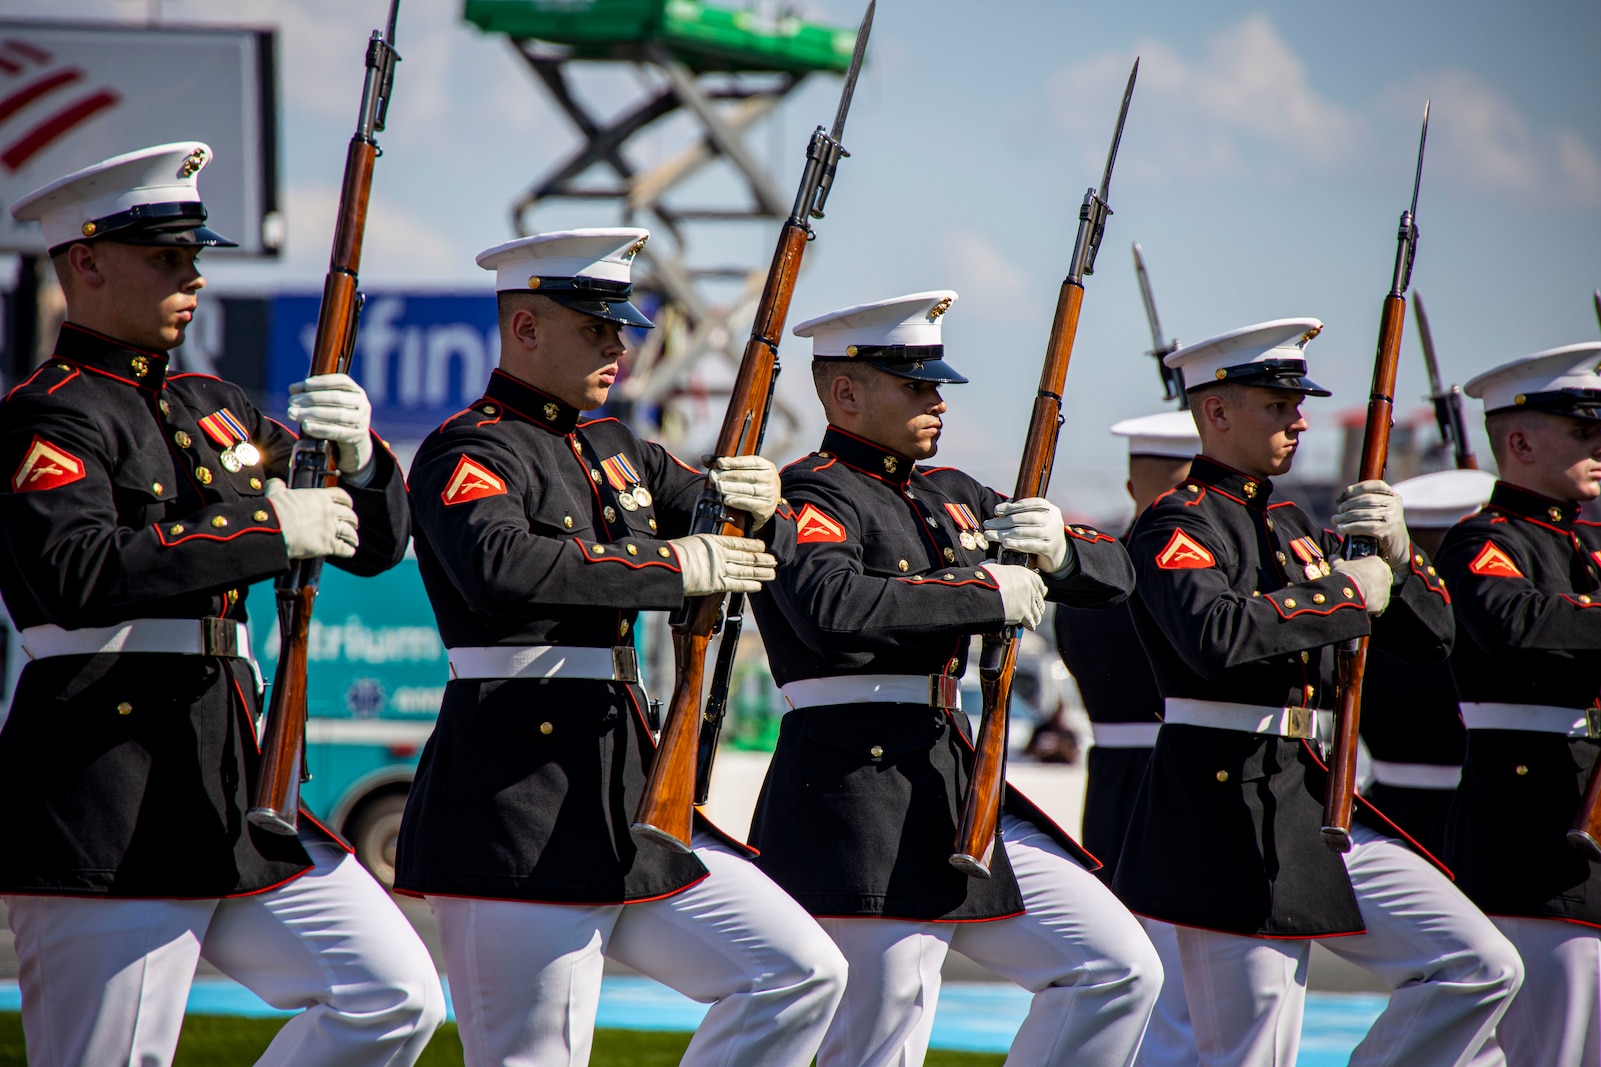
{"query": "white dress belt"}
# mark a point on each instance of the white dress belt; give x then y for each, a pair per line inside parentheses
(1417, 775)
(618, 664)
(1303, 723)
(194, 637)
(1125, 734)
(1537, 718)
(933, 690)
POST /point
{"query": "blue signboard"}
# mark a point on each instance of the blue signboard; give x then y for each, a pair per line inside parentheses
(421, 357)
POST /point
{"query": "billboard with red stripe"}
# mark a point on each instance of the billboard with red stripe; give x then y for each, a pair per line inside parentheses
(72, 94)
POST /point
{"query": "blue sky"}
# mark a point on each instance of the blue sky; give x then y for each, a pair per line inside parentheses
(1267, 157)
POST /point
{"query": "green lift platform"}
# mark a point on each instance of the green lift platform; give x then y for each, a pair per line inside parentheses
(727, 68)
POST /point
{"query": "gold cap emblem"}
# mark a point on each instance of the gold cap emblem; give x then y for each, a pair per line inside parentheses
(1521, 398)
(1221, 374)
(534, 282)
(939, 309)
(851, 350)
(1308, 335)
(89, 229)
(192, 163)
(637, 247)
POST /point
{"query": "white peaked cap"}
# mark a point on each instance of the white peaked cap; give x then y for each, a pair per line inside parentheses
(1269, 354)
(149, 189)
(606, 254)
(1564, 380)
(900, 335)
(1168, 433)
(587, 270)
(1440, 500)
(900, 320)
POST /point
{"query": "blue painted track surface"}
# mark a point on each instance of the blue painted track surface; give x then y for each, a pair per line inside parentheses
(973, 1016)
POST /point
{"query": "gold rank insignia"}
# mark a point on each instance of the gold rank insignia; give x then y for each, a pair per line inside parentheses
(891, 464)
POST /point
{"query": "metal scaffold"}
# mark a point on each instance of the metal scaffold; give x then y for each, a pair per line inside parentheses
(725, 70)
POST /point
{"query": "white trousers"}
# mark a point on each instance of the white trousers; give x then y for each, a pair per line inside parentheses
(1555, 1020)
(1092, 970)
(1169, 1041)
(104, 982)
(1451, 973)
(525, 978)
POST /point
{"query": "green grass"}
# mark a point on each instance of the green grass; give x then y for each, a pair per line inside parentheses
(222, 1041)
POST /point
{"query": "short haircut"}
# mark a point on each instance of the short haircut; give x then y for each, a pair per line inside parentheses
(824, 371)
(511, 301)
(1498, 424)
(1231, 392)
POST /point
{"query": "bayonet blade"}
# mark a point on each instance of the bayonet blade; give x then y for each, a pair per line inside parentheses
(1426, 339)
(1598, 306)
(394, 16)
(1117, 136)
(1423, 139)
(1158, 339)
(862, 33)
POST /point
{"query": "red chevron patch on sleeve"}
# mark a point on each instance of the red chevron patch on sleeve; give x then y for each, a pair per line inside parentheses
(471, 480)
(1492, 562)
(813, 527)
(46, 466)
(1184, 553)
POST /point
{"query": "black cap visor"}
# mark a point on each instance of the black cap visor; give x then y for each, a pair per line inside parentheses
(1268, 374)
(1574, 403)
(921, 363)
(593, 296)
(180, 223)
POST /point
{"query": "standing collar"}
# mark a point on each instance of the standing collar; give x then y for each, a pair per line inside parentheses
(524, 401)
(117, 359)
(1527, 504)
(1248, 489)
(867, 457)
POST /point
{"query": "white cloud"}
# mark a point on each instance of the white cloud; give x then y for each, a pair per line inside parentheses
(1245, 106)
(980, 269)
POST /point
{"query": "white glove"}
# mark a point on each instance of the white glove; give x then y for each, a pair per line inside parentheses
(314, 522)
(334, 408)
(1034, 526)
(1022, 593)
(1373, 509)
(748, 483)
(713, 563)
(1372, 577)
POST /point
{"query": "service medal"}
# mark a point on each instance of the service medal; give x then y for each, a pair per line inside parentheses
(642, 496)
(230, 461)
(969, 541)
(627, 501)
(248, 454)
(1314, 571)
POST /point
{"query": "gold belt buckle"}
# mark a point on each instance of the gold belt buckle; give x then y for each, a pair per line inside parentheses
(943, 691)
(219, 637)
(625, 664)
(1302, 723)
(1592, 723)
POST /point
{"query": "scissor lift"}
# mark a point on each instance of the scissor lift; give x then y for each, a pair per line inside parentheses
(726, 69)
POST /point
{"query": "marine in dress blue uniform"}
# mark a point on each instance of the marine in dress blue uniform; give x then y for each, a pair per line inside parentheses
(1102, 650)
(540, 537)
(1240, 597)
(1525, 579)
(138, 506)
(1410, 720)
(867, 629)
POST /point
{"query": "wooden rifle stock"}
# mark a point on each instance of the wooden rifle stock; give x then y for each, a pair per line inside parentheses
(1351, 657)
(667, 808)
(283, 758)
(981, 809)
